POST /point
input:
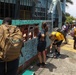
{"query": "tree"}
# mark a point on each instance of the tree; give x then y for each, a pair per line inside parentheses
(67, 14)
(69, 1)
(69, 19)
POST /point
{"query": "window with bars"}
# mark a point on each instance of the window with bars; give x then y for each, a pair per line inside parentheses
(16, 9)
(21, 9)
(7, 10)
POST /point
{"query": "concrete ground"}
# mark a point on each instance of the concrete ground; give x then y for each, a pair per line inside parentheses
(65, 65)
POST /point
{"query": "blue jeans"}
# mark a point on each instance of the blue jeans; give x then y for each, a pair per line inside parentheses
(9, 68)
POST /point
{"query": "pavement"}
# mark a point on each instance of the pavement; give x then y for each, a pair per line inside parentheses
(65, 65)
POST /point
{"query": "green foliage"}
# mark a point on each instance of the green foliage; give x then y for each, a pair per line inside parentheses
(69, 1)
(67, 14)
(69, 19)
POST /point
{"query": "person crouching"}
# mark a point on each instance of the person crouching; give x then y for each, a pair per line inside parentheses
(57, 39)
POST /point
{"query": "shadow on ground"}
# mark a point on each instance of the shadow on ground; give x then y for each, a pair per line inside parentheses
(50, 66)
(63, 44)
(63, 56)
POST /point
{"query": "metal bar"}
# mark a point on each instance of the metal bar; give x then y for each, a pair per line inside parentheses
(24, 7)
(4, 10)
(13, 9)
(0, 8)
(17, 9)
(9, 8)
(46, 9)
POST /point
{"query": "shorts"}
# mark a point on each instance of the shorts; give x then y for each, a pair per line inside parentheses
(58, 43)
(41, 46)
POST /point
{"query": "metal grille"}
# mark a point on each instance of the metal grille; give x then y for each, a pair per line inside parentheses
(7, 8)
(22, 9)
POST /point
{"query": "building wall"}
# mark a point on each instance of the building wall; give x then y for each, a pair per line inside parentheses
(22, 2)
(24, 11)
(16, 9)
(27, 9)
(63, 5)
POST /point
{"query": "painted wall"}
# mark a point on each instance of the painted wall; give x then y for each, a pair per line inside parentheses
(30, 47)
(29, 50)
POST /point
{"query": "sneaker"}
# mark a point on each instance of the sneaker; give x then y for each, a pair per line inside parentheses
(51, 52)
(50, 55)
(58, 56)
(43, 64)
(39, 64)
(65, 43)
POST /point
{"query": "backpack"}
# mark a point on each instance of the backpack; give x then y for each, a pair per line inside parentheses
(11, 42)
(61, 31)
